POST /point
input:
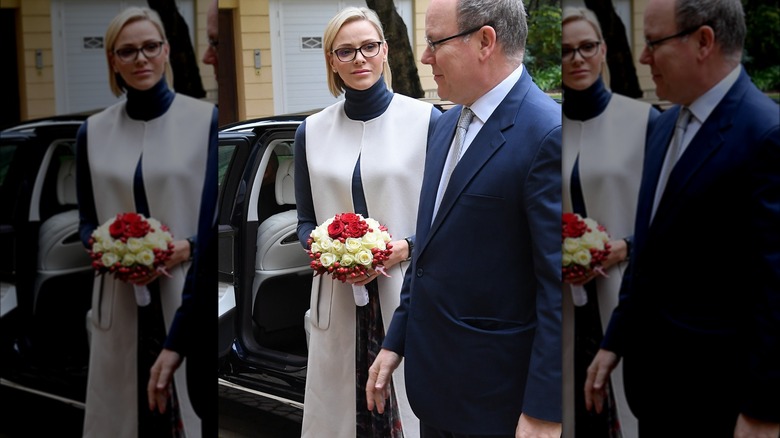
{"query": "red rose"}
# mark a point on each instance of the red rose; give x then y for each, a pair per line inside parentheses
(350, 218)
(138, 229)
(335, 229)
(117, 228)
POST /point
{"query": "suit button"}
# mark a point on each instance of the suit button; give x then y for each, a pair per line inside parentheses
(419, 272)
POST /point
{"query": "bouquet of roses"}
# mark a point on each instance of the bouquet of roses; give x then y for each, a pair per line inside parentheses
(585, 247)
(131, 246)
(346, 245)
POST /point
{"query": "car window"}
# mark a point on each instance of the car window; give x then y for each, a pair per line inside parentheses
(6, 156)
(226, 152)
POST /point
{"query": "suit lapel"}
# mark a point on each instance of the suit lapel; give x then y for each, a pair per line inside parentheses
(707, 141)
(487, 142)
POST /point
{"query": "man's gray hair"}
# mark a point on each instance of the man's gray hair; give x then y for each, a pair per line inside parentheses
(726, 18)
(507, 17)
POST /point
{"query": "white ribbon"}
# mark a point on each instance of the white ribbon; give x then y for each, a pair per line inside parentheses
(142, 295)
(579, 295)
(361, 295)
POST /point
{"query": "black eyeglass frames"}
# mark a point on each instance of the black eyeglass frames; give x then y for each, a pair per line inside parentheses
(130, 54)
(348, 54)
(432, 44)
(586, 50)
(651, 45)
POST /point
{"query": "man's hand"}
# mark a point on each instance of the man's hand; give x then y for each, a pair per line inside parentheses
(748, 427)
(530, 427)
(157, 390)
(377, 387)
(597, 379)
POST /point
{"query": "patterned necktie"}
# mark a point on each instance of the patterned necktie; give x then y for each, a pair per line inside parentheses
(672, 155)
(466, 115)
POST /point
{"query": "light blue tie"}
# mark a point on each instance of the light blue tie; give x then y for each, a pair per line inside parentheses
(672, 155)
(466, 115)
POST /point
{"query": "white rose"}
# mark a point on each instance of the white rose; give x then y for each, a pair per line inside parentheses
(315, 247)
(326, 245)
(135, 244)
(109, 259)
(337, 247)
(145, 257)
(347, 260)
(318, 233)
(328, 259)
(119, 247)
(97, 247)
(370, 240)
(364, 257)
(567, 259)
(582, 257)
(128, 260)
(353, 245)
(570, 245)
(155, 241)
(592, 240)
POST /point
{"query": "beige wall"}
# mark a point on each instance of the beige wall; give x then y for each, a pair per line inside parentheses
(252, 31)
(36, 87)
(638, 45)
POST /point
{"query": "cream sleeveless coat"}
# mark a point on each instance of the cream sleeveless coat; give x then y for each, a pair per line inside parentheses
(391, 148)
(611, 148)
(174, 148)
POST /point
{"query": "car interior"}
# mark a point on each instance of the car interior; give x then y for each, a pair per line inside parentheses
(282, 279)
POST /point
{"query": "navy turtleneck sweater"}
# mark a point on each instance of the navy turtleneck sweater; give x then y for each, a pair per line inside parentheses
(586, 104)
(363, 105)
(142, 105)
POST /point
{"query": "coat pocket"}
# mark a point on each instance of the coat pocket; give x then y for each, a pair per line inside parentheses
(321, 301)
(103, 293)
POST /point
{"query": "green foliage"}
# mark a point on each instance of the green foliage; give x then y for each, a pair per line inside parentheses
(548, 79)
(762, 44)
(543, 47)
(767, 79)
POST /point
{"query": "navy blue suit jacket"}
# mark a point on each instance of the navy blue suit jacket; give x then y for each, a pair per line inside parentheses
(479, 323)
(700, 302)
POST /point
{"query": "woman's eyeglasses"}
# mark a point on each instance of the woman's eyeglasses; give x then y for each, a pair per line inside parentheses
(130, 54)
(586, 50)
(348, 54)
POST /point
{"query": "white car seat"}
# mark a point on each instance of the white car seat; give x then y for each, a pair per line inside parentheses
(60, 251)
(279, 254)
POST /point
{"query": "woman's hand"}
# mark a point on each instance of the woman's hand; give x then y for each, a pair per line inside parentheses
(181, 253)
(400, 253)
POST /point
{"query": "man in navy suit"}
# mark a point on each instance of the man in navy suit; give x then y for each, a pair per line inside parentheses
(698, 323)
(193, 332)
(479, 324)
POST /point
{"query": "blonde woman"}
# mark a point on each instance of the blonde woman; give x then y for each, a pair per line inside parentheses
(364, 154)
(603, 150)
(135, 156)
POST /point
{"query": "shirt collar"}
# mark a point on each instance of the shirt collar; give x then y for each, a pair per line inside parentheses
(702, 107)
(484, 106)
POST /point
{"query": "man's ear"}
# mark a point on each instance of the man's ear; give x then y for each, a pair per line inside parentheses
(487, 40)
(705, 40)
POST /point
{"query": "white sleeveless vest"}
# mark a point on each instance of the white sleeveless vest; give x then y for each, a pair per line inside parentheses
(392, 149)
(174, 152)
(611, 150)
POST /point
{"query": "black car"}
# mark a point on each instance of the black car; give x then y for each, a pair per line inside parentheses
(45, 273)
(264, 273)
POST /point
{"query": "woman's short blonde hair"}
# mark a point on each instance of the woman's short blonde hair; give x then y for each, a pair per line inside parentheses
(571, 14)
(127, 16)
(348, 15)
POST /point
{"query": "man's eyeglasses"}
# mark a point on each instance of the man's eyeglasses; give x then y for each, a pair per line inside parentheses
(651, 45)
(213, 43)
(586, 50)
(348, 54)
(432, 44)
(130, 54)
